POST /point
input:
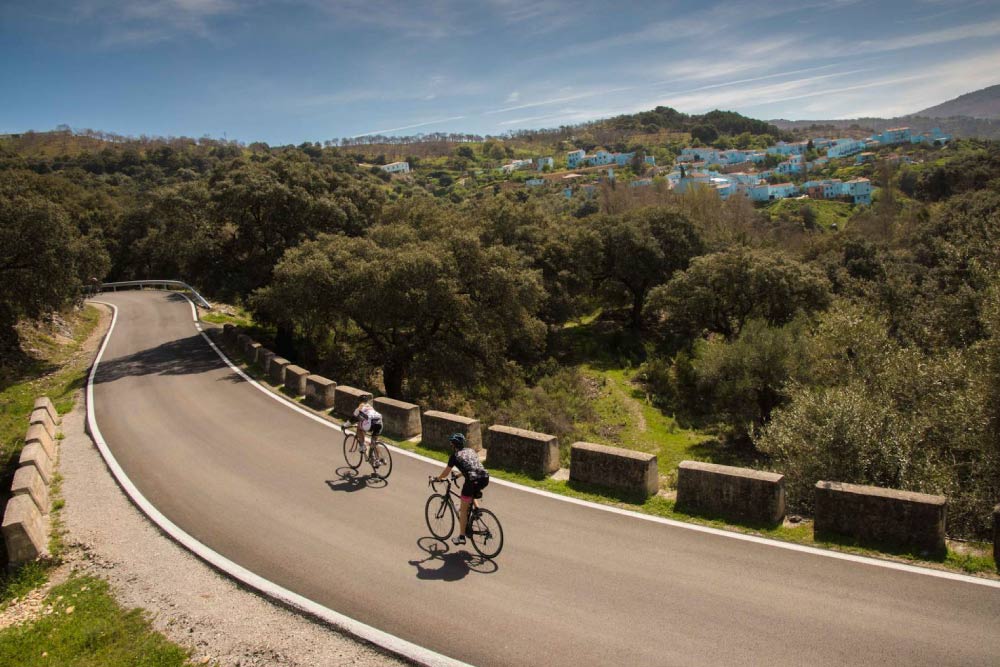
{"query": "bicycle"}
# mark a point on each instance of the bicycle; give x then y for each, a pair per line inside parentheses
(377, 454)
(441, 513)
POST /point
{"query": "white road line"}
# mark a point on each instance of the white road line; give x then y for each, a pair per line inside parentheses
(391, 643)
(826, 553)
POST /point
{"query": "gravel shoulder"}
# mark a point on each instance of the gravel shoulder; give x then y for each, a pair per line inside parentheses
(191, 603)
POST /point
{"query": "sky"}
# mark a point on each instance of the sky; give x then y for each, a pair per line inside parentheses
(290, 71)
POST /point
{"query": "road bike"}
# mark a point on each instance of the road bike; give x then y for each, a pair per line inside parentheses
(376, 453)
(441, 512)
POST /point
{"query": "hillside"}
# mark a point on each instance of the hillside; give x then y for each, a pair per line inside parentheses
(983, 103)
(975, 114)
(958, 126)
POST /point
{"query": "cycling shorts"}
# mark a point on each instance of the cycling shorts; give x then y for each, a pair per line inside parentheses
(474, 488)
(374, 427)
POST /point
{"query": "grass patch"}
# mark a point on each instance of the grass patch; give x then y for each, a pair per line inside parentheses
(972, 563)
(628, 419)
(21, 581)
(826, 212)
(83, 626)
(52, 365)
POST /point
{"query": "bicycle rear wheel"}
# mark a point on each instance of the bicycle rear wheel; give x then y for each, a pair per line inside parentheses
(352, 453)
(440, 517)
(381, 460)
(487, 533)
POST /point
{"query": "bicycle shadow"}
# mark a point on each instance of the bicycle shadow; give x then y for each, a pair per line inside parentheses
(350, 481)
(451, 565)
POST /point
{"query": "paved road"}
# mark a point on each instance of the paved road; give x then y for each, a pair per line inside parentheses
(259, 483)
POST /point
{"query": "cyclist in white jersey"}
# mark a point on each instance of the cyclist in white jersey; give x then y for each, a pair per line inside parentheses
(368, 420)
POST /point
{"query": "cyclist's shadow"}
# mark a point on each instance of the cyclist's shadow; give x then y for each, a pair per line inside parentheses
(443, 564)
(350, 481)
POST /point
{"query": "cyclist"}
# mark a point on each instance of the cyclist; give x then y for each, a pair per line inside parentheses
(476, 479)
(368, 419)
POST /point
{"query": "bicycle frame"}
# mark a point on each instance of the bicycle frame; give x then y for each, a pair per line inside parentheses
(455, 500)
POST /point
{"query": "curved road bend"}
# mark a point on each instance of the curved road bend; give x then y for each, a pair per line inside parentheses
(258, 483)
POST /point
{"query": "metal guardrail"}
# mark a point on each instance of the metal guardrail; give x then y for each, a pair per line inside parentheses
(142, 284)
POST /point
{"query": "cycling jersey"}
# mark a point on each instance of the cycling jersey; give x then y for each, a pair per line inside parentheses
(368, 418)
(467, 462)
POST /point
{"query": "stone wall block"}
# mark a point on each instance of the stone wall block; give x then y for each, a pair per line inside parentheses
(738, 494)
(28, 482)
(880, 517)
(45, 403)
(614, 468)
(295, 379)
(276, 370)
(263, 359)
(41, 416)
(319, 392)
(251, 352)
(435, 427)
(399, 420)
(37, 433)
(35, 455)
(518, 449)
(23, 530)
(346, 399)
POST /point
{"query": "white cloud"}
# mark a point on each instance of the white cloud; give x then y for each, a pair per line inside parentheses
(410, 127)
(513, 97)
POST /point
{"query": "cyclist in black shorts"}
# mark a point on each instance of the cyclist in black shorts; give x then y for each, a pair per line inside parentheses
(476, 479)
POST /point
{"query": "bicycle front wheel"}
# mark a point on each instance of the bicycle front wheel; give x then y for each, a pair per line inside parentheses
(381, 460)
(352, 453)
(487, 533)
(440, 517)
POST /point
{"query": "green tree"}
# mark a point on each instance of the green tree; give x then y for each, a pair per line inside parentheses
(741, 382)
(446, 309)
(720, 292)
(641, 249)
(704, 133)
(44, 261)
(275, 204)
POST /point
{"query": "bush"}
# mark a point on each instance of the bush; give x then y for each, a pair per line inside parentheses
(866, 409)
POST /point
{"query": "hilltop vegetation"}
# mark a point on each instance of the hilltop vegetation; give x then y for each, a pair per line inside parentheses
(866, 352)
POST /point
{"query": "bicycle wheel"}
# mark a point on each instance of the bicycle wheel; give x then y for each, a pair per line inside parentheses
(487, 534)
(381, 460)
(439, 515)
(352, 453)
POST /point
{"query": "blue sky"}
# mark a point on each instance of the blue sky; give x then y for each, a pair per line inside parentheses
(288, 71)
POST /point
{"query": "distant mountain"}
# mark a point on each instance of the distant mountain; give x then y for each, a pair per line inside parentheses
(858, 128)
(983, 103)
(975, 114)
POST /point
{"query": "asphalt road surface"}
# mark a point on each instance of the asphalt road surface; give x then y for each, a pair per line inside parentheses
(264, 486)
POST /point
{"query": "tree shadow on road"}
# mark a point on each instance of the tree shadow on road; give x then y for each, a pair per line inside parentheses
(350, 480)
(443, 564)
(187, 356)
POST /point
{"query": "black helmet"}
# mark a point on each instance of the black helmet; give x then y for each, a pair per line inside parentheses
(457, 439)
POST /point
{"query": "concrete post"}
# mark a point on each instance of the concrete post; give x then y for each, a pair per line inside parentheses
(41, 416)
(28, 482)
(37, 433)
(23, 530)
(45, 403)
(35, 455)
